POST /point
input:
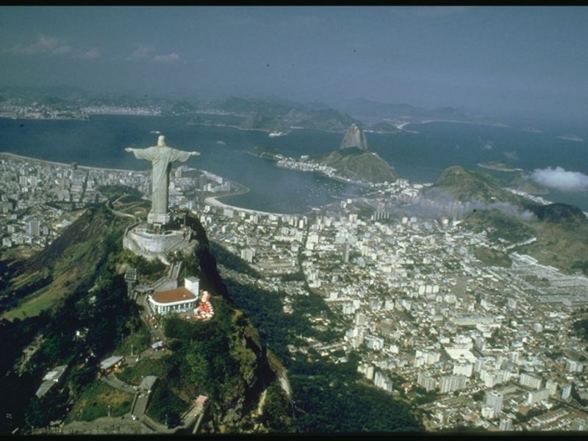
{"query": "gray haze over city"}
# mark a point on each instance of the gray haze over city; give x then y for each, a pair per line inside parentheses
(498, 60)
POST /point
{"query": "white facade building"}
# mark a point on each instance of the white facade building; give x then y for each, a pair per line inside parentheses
(530, 381)
(450, 383)
(494, 401)
(192, 284)
(181, 299)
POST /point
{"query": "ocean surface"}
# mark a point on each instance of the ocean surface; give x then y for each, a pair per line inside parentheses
(419, 156)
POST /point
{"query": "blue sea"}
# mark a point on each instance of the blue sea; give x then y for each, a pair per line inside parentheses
(419, 156)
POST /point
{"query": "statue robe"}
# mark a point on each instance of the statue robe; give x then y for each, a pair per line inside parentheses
(161, 158)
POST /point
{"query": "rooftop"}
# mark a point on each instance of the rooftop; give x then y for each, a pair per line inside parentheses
(148, 382)
(44, 388)
(173, 295)
(107, 363)
(55, 374)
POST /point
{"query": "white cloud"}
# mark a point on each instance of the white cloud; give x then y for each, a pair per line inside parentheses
(53, 46)
(168, 58)
(148, 53)
(560, 179)
(142, 52)
(45, 45)
(90, 54)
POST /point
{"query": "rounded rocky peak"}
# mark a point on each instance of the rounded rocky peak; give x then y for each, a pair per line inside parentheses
(354, 137)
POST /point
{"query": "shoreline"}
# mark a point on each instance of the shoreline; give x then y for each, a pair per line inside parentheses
(66, 164)
(215, 201)
(337, 178)
(212, 200)
(457, 121)
(498, 168)
(268, 131)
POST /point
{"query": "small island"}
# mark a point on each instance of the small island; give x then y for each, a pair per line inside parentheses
(498, 166)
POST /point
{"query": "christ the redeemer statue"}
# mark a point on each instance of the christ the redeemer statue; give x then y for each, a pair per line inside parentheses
(161, 156)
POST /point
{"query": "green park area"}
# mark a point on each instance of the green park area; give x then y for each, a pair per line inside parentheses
(97, 400)
(147, 366)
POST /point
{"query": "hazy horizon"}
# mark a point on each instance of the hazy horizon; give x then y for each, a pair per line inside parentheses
(507, 61)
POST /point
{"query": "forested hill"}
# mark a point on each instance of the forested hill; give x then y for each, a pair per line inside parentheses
(223, 358)
(555, 234)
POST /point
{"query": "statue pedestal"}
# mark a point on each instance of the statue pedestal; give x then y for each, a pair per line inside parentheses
(142, 240)
(154, 218)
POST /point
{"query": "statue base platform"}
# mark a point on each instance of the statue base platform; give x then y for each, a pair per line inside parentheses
(156, 218)
(144, 241)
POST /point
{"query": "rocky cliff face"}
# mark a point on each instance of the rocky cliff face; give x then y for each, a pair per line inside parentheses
(354, 137)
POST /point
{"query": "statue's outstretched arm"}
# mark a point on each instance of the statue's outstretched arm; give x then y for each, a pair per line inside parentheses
(141, 153)
(180, 155)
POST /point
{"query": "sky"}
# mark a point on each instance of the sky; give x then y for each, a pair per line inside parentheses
(510, 60)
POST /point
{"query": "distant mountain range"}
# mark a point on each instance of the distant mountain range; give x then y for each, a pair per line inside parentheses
(386, 116)
(365, 107)
(271, 114)
(282, 115)
(277, 114)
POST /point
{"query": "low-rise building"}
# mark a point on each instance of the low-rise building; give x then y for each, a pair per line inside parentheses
(173, 300)
(50, 379)
(109, 364)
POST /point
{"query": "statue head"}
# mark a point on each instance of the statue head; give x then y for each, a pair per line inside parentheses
(161, 141)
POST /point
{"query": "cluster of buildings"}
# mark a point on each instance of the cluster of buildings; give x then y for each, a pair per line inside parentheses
(476, 345)
(38, 199)
(121, 110)
(17, 110)
(187, 183)
(21, 109)
(305, 164)
(269, 243)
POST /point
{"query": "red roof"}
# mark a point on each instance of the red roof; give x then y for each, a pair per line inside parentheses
(173, 295)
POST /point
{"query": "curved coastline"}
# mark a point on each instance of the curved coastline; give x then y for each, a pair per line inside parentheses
(215, 202)
(66, 164)
(211, 200)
